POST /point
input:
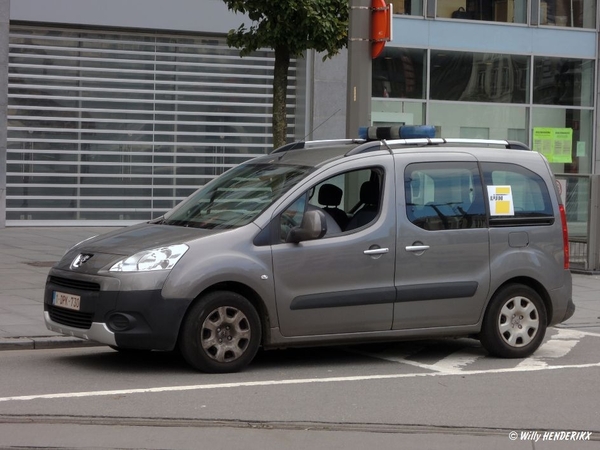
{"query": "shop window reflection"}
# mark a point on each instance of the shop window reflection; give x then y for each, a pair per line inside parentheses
(479, 77)
(508, 11)
(407, 7)
(568, 13)
(563, 81)
(399, 73)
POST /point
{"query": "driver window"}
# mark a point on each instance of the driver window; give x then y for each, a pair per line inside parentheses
(349, 200)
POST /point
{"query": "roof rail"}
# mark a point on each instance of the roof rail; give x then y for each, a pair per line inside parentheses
(421, 142)
(298, 145)
(517, 145)
(512, 145)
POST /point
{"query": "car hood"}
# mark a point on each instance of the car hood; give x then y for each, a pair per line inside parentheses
(131, 240)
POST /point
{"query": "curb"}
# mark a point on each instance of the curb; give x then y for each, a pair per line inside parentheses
(44, 342)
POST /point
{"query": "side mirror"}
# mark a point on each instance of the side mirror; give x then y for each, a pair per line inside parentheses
(313, 226)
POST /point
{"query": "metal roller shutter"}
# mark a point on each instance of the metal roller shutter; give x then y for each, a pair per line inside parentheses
(113, 128)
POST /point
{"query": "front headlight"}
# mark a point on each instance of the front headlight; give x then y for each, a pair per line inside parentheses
(163, 258)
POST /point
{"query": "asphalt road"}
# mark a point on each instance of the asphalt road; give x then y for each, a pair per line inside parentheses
(426, 394)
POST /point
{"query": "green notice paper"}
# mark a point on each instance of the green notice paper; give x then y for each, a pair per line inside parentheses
(556, 144)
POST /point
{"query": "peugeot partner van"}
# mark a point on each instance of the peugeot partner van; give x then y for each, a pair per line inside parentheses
(396, 235)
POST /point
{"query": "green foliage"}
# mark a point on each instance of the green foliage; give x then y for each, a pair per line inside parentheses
(289, 27)
(296, 25)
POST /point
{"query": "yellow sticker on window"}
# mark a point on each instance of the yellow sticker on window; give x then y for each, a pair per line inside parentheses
(500, 201)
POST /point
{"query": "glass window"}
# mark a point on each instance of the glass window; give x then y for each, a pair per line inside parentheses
(564, 136)
(237, 197)
(399, 73)
(475, 121)
(568, 13)
(509, 11)
(563, 81)
(349, 200)
(479, 77)
(408, 7)
(531, 200)
(444, 196)
(391, 111)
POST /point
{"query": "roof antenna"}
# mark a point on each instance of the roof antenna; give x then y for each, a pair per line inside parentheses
(296, 144)
(321, 124)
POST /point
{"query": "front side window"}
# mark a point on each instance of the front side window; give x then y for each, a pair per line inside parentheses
(237, 197)
(350, 200)
(444, 196)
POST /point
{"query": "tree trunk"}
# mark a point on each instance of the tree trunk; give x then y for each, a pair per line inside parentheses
(280, 83)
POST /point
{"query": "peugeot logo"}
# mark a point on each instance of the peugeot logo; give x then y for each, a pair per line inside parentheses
(81, 259)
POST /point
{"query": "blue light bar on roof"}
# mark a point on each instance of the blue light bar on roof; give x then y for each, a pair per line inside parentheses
(396, 132)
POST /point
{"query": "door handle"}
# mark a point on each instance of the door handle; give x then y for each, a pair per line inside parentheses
(376, 251)
(417, 248)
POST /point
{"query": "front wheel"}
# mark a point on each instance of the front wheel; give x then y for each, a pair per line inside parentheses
(514, 324)
(221, 333)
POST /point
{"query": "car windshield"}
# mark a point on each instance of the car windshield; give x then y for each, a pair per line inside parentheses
(237, 197)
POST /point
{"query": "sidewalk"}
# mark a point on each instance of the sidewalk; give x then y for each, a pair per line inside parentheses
(26, 255)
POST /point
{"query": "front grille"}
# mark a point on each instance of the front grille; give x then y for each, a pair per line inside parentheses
(74, 284)
(70, 318)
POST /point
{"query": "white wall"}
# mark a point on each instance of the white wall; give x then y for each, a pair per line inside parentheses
(208, 16)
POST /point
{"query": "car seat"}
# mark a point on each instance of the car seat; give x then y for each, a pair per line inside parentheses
(331, 196)
(369, 197)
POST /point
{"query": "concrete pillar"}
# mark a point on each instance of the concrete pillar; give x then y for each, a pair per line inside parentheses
(359, 68)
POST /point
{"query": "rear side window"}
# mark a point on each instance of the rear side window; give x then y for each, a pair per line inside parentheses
(444, 196)
(531, 202)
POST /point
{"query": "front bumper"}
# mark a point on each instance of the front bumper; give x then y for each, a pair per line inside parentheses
(98, 332)
(108, 314)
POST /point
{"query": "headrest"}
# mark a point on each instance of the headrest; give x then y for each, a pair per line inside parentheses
(330, 195)
(369, 193)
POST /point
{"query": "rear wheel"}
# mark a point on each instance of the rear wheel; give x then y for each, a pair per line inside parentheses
(221, 333)
(514, 325)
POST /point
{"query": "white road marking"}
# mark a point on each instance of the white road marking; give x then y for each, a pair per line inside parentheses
(456, 361)
(559, 345)
(549, 350)
(584, 333)
(291, 382)
(394, 356)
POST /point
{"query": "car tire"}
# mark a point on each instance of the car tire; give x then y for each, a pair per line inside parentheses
(514, 324)
(220, 333)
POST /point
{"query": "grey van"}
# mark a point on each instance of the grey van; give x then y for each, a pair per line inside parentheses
(382, 238)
